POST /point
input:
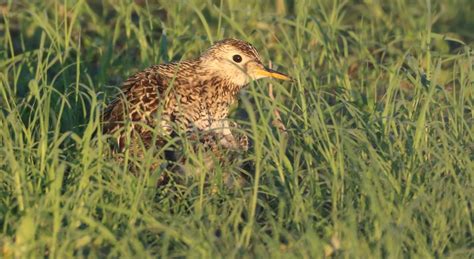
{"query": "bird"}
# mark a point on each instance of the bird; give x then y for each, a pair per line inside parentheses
(192, 95)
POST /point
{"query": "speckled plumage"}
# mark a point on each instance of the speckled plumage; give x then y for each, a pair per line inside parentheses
(193, 95)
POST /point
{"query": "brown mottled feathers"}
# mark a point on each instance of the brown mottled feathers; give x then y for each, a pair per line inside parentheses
(193, 95)
(243, 46)
(143, 94)
(166, 95)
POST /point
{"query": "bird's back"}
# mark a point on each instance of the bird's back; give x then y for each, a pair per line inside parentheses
(144, 94)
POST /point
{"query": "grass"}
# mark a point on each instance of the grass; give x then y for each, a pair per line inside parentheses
(376, 162)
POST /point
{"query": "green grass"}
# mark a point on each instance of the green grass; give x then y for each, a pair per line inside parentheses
(377, 161)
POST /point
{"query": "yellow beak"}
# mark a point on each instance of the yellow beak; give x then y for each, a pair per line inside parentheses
(267, 72)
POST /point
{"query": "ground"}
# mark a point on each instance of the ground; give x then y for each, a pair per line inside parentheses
(376, 160)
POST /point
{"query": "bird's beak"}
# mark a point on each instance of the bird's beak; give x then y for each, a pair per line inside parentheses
(267, 72)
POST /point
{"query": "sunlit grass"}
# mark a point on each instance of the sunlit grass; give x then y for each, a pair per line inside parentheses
(376, 160)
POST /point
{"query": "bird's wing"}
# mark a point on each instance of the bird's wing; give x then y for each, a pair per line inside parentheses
(142, 93)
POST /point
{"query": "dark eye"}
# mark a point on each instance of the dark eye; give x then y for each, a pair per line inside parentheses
(237, 58)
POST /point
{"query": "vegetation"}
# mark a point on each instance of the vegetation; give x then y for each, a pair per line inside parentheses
(376, 160)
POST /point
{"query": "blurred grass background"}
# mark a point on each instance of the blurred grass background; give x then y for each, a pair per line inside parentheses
(377, 161)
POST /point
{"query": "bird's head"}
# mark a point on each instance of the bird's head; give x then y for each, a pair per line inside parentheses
(237, 61)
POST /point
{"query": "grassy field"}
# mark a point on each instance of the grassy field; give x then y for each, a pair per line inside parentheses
(377, 160)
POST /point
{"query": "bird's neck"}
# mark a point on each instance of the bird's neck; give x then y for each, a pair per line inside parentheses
(219, 89)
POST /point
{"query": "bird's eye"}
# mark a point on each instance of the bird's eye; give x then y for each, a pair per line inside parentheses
(237, 58)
